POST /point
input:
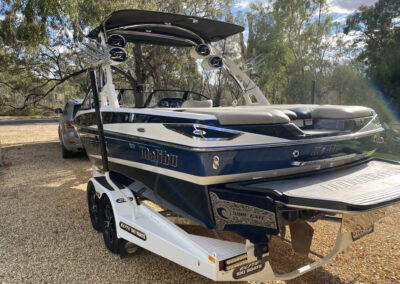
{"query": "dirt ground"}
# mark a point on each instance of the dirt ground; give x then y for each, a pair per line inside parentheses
(46, 236)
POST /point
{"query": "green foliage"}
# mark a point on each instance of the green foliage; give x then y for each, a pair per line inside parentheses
(40, 58)
(39, 46)
(391, 157)
(291, 40)
(381, 37)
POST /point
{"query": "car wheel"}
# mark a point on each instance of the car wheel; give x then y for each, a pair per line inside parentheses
(107, 220)
(84, 153)
(65, 153)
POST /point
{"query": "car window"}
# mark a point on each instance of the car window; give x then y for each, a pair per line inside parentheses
(87, 103)
(66, 108)
(76, 108)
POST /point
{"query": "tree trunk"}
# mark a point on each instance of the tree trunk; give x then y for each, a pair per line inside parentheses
(274, 99)
(242, 47)
(251, 31)
(156, 67)
(137, 50)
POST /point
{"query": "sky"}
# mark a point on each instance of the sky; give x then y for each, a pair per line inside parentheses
(348, 6)
(342, 7)
(340, 10)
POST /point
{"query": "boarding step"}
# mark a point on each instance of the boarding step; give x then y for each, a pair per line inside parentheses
(356, 188)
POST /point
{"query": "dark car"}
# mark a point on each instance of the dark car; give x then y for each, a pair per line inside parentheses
(69, 139)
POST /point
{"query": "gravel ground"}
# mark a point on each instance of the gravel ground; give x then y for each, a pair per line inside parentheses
(46, 236)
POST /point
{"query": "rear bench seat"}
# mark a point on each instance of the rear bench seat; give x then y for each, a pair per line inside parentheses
(276, 114)
(241, 116)
(341, 112)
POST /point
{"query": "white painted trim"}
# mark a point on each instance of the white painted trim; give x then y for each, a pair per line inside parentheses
(152, 111)
(216, 179)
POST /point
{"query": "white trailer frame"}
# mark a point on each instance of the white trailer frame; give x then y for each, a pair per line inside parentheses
(141, 225)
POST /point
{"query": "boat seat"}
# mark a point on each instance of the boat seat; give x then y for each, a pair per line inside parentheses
(238, 116)
(341, 112)
(197, 104)
(302, 112)
(291, 114)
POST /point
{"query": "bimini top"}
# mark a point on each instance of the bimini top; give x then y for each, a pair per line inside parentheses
(164, 28)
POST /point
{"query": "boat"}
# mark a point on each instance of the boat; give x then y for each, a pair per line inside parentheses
(236, 167)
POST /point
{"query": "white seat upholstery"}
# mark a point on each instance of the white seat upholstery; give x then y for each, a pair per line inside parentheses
(243, 116)
(341, 112)
(275, 114)
(197, 104)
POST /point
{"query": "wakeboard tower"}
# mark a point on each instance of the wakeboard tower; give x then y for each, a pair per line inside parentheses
(251, 169)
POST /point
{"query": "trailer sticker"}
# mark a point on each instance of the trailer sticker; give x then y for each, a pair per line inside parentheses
(133, 231)
(248, 269)
(229, 212)
(356, 235)
(121, 200)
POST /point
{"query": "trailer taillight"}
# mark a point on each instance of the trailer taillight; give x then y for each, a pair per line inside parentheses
(68, 123)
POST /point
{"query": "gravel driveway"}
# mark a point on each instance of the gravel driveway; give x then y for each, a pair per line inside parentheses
(46, 236)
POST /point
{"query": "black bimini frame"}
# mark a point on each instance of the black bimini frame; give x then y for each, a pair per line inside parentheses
(154, 27)
(99, 120)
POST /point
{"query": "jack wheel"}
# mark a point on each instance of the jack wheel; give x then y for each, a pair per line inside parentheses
(94, 206)
(107, 220)
(127, 249)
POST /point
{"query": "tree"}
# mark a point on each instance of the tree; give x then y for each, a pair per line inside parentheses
(43, 38)
(291, 36)
(348, 86)
(380, 34)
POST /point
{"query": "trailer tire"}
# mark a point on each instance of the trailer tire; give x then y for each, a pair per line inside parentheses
(93, 206)
(109, 227)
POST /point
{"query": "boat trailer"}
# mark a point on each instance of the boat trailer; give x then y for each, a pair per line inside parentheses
(130, 224)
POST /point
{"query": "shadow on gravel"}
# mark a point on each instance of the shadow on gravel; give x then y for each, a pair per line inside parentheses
(56, 219)
(28, 121)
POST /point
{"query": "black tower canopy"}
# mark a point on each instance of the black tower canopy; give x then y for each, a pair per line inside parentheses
(164, 28)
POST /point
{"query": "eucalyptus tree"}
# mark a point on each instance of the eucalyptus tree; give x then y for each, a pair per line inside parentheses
(307, 24)
(292, 37)
(42, 38)
(377, 28)
(268, 41)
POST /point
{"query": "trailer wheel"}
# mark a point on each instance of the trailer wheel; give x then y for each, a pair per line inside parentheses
(109, 226)
(94, 206)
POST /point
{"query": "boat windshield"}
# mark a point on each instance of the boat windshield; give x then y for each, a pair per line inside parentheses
(175, 78)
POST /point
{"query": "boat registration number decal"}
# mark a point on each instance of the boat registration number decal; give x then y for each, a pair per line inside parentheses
(248, 269)
(356, 235)
(132, 230)
(229, 213)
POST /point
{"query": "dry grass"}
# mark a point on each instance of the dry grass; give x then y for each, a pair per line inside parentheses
(46, 236)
